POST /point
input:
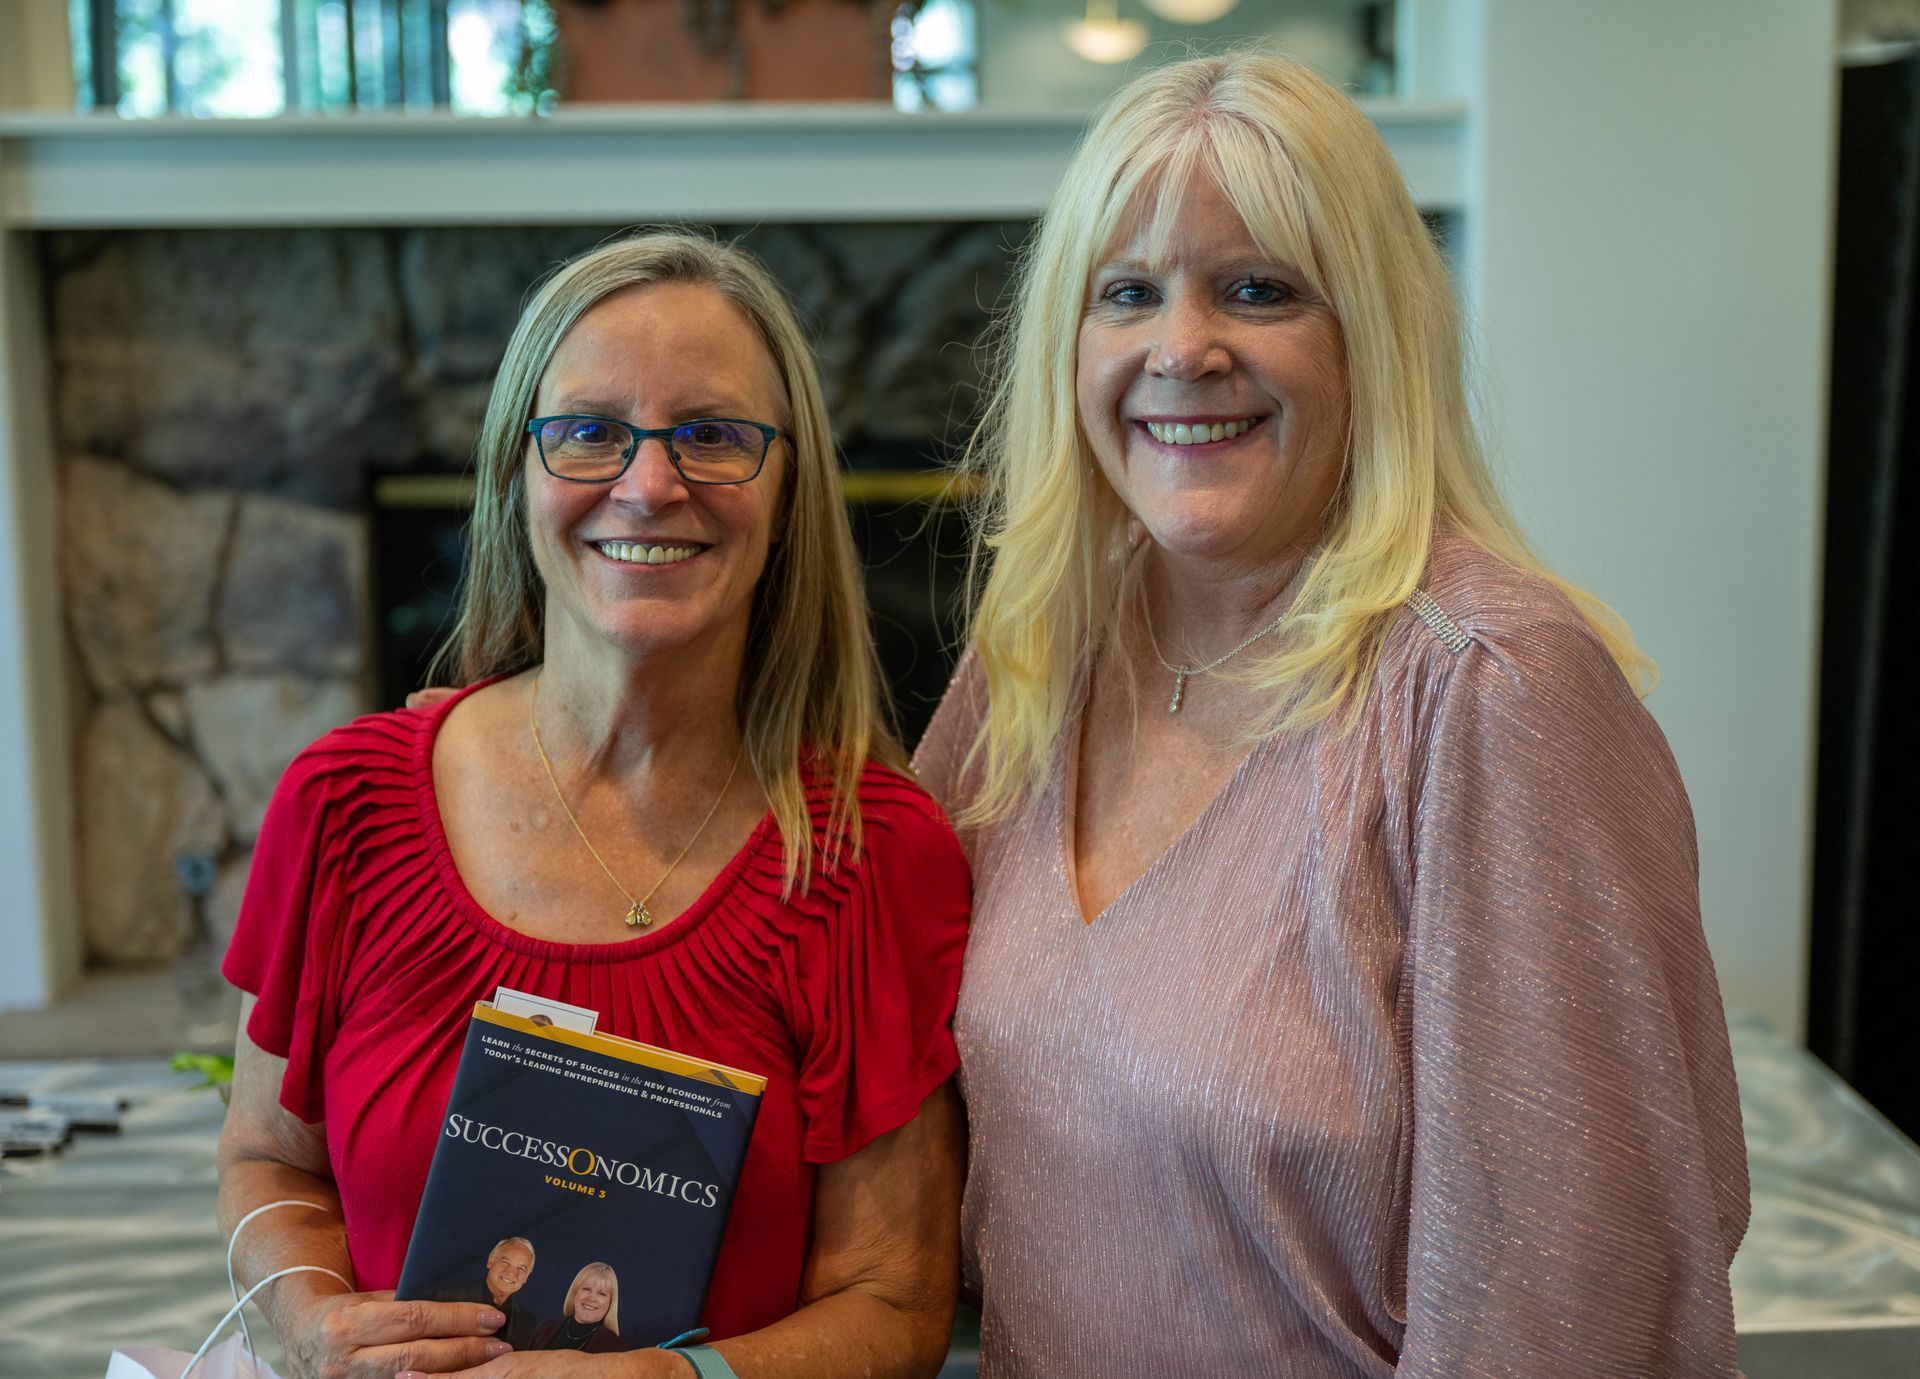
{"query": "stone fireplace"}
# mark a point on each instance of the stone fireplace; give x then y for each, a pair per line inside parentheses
(223, 401)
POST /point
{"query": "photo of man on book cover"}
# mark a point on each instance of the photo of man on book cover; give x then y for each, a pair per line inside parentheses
(509, 1263)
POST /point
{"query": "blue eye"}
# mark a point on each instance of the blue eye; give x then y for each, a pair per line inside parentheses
(703, 434)
(707, 437)
(583, 432)
(1262, 292)
(1127, 294)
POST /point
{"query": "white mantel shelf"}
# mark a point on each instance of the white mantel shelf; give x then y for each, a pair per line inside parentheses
(811, 162)
(1638, 134)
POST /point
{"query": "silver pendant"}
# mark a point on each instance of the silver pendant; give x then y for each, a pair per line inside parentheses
(1179, 688)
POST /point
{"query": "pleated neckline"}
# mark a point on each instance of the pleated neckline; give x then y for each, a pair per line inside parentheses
(478, 918)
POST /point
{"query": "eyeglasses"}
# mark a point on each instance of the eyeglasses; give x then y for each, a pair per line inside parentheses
(597, 450)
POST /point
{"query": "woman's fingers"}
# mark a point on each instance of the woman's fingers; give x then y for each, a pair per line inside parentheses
(428, 697)
(379, 1322)
(370, 1336)
(515, 1364)
(553, 1365)
(429, 1357)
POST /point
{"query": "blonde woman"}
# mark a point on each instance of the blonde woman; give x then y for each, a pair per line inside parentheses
(1336, 1003)
(669, 794)
(590, 1320)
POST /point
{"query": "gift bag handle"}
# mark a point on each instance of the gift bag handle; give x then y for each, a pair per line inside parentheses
(239, 1301)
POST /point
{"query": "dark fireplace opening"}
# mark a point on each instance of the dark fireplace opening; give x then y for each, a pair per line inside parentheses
(911, 538)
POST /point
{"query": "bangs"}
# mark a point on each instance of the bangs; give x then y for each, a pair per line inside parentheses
(1256, 174)
(1145, 196)
(1264, 185)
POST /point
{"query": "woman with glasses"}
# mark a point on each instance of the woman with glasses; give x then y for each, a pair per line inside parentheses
(668, 794)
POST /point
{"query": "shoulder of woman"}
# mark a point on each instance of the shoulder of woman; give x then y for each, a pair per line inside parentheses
(893, 803)
(939, 757)
(355, 754)
(890, 802)
(1474, 608)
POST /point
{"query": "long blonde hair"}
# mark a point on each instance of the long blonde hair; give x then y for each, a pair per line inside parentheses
(1317, 189)
(597, 1270)
(810, 685)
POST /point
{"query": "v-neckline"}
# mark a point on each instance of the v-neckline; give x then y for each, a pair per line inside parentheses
(1067, 813)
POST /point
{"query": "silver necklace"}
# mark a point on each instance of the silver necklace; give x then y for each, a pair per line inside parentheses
(1181, 674)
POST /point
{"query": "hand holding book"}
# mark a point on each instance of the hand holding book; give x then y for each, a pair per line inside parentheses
(581, 1183)
(372, 1334)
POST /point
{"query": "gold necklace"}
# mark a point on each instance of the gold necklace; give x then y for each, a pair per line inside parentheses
(638, 915)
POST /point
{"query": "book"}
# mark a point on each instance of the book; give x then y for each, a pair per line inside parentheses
(591, 1174)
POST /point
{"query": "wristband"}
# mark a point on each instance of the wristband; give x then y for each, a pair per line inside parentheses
(707, 1362)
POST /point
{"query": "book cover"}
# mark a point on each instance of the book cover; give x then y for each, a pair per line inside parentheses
(592, 1174)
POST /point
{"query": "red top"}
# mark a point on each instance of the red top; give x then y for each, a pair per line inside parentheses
(367, 954)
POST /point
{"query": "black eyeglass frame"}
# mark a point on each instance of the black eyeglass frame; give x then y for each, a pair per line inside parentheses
(663, 434)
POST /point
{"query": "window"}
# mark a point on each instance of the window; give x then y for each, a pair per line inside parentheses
(934, 56)
(241, 58)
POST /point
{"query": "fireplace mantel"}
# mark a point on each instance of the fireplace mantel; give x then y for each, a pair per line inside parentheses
(1625, 174)
(736, 162)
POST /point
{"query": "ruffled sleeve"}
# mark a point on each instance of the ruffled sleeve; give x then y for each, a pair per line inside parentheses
(283, 944)
(1578, 1175)
(876, 996)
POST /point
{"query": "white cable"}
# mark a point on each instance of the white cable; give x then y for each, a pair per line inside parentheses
(246, 1298)
(233, 1284)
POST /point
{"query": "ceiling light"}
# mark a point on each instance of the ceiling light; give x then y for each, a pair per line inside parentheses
(1104, 37)
(1190, 11)
(1107, 40)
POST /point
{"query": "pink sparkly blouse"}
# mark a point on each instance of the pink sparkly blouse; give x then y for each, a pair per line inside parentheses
(1407, 1058)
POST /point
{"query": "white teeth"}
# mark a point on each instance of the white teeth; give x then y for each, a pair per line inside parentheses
(639, 553)
(1197, 433)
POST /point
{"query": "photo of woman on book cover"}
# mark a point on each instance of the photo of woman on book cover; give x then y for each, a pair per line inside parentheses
(591, 1319)
(509, 1265)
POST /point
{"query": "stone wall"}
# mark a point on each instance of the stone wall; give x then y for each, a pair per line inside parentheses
(220, 397)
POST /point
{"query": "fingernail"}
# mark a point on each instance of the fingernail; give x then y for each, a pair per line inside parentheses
(497, 1348)
(493, 1320)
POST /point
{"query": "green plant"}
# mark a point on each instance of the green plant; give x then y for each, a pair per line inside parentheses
(215, 1068)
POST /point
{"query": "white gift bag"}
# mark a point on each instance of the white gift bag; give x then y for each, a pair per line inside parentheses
(228, 1360)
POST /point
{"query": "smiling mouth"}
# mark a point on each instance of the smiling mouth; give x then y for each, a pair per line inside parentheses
(640, 553)
(1199, 432)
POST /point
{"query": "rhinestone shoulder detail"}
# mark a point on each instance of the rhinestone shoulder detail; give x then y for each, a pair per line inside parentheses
(1451, 635)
